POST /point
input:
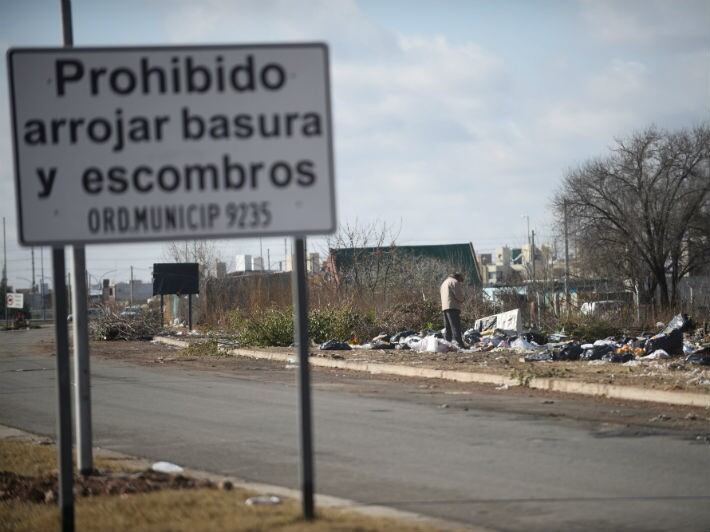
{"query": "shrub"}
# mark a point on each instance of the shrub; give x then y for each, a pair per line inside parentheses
(270, 327)
(413, 315)
(589, 328)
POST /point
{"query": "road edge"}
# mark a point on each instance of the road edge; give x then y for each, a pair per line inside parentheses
(611, 391)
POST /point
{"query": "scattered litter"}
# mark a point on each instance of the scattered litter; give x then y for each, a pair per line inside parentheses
(263, 500)
(660, 417)
(167, 467)
(700, 357)
(656, 355)
(539, 357)
(597, 352)
(502, 387)
(335, 345)
(432, 344)
(521, 344)
(618, 358)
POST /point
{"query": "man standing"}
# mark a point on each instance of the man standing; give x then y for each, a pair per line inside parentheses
(451, 300)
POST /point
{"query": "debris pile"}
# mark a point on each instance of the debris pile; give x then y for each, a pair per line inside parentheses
(112, 326)
(503, 332)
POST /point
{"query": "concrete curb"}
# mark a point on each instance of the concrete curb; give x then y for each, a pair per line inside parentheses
(321, 501)
(612, 391)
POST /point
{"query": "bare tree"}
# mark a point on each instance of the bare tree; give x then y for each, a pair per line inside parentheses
(369, 257)
(203, 252)
(643, 209)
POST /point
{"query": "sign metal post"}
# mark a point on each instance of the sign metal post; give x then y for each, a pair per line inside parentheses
(82, 375)
(300, 318)
(64, 441)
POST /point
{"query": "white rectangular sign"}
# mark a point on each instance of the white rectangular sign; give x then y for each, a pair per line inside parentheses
(163, 143)
(14, 300)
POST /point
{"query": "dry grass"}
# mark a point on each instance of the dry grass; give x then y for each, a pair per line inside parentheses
(188, 511)
(183, 510)
(40, 457)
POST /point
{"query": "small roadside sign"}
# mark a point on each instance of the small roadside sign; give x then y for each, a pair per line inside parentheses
(165, 143)
(14, 300)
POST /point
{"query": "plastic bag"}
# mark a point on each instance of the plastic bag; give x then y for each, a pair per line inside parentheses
(671, 343)
(335, 345)
(680, 322)
(569, 352)
(597, 352)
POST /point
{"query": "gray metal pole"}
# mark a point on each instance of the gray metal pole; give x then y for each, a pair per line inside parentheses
(189, 312)
(131, 286)
(4, 271)
(32, 249)
(41, 266)
(82, 376)
(64, 437)
(300, 318)
(566, 262)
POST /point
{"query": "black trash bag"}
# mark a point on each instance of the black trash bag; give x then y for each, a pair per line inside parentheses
(681, 323)
(569, 352)
(472, 337)
(699, 356)
(335, 345)
(671, 343)
(618, 358)
(539, 357)
(597, 352)
(400, 335)
(402, 347)
(381, 344)
(535, 336)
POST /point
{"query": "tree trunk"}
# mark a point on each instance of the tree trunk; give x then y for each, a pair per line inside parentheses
(664, 300)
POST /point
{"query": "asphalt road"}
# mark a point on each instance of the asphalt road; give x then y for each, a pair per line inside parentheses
(381, 442)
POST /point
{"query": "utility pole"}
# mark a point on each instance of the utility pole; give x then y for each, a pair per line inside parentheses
(4, 269)
(34, 284)
(268, 259)
(261, 253)
(532, 254)
(285, 254)
(131, 286)
(537, 299)
(41, 280)
(566, 261)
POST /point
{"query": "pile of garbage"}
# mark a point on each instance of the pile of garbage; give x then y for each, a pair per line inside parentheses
(673, 340)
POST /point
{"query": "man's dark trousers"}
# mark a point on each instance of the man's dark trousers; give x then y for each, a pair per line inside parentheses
(452, 322)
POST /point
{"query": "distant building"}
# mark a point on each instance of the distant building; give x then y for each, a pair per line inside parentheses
(220, 269)
(287, 265)
(313, 264)
(461, 257)
(258, 264)
(243, 263)
(140, 293)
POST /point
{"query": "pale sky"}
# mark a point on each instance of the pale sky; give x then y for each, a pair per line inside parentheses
(453, 120)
